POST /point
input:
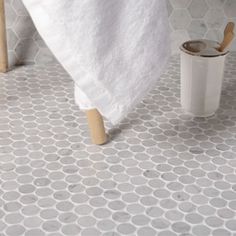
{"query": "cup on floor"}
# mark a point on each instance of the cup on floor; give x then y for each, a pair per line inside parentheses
(202, 70)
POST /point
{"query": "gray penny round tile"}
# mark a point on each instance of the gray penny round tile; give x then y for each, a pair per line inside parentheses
(163, 173)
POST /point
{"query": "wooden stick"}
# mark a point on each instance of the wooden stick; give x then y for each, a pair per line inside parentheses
(229, 28)
(226, 42)
(228, 36)
(3, 39)
(96, 126)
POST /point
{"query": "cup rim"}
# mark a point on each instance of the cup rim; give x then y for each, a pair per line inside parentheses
(208, 44)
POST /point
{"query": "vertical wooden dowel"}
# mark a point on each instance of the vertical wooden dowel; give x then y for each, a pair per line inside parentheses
(3, 39)
(96, 126)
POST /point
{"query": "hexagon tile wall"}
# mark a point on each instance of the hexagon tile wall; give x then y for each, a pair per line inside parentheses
(24, 43)
(194, 19)
(187, 18)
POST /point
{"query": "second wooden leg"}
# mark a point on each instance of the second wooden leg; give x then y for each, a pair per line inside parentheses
(96, 126)
(3, 39)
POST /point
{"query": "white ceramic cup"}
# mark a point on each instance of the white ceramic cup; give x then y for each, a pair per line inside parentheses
(201, 82)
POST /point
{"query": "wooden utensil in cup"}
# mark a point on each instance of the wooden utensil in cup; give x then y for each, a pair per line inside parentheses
(228, 37)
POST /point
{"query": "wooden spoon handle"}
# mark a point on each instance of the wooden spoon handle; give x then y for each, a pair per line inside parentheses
(226, 42)
(229, 28)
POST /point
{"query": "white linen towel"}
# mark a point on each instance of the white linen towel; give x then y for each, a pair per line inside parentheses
(115, 50)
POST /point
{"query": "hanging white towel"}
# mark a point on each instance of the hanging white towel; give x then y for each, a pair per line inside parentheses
(115, 50)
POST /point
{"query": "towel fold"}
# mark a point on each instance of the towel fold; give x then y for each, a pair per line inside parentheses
(115, 50)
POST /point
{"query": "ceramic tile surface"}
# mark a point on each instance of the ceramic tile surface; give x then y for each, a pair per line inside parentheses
(188, 19)
(163, 172)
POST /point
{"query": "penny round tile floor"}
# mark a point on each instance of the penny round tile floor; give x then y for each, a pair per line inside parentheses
(162, 173)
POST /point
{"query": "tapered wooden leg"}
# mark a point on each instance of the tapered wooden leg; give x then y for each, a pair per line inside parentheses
(96, 126)
(3, 39)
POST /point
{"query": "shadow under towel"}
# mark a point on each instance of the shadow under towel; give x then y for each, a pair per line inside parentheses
(115, 50)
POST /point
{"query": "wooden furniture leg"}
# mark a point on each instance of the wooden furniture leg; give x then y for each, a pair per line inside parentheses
(3, 39)
(96, 126)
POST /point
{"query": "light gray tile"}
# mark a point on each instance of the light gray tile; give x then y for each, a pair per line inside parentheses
(198, 8)
(173, 175)
(229, 8)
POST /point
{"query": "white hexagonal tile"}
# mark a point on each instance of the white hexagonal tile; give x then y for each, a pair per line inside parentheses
(215, 18)
(40, 42)
(179, 19)
(24, 27)
(11, 15)
(215, 3)
(214, 34)
(198, 8)
(45, 56)
(19, 7)
(230, 8)
(197, 29)
(12, 39)
(180, 3)
(26, 50)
